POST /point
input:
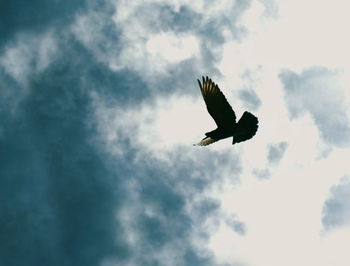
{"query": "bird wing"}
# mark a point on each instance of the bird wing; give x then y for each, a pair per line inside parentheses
(216, 103)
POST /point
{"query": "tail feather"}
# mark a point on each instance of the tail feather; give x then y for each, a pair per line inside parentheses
(206, 141)
(246, 128)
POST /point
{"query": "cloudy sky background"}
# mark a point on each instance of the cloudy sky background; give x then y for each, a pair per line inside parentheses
(99, 108)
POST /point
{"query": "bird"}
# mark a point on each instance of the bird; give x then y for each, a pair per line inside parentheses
(224, 117)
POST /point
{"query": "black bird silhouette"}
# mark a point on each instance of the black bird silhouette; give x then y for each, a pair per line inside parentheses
(225, 117)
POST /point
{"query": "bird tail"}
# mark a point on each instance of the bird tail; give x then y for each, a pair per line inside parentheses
(206, 141)
(246, 128)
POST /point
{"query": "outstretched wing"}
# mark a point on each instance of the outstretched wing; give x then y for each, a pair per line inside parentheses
(246, 128)
(216, 103)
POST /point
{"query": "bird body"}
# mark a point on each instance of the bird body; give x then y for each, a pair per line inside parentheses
(225, 117)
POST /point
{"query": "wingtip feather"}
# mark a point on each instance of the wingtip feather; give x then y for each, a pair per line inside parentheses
(200, 85)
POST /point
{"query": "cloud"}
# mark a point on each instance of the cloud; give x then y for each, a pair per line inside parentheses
(250, 98)
(62, 201)
(71, 202)
(27, 55)
(174, 206)
(276, 152)
(98, 122)
(271, 7)
(262, 173)
(19, 16)
(172, 48)
(318, 91)
(140, 25)
(29, 42)
(336, 208)
(274, 156)
(249, 82)
(69, 196)
(238, 226)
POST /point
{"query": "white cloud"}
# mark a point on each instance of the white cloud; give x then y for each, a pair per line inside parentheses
(305, 34)
(145, 49)
(16, 61)
(158, 126)
(24, 56)
(318, 92)
(28, 54)
(148, 36)
(47, 52)
(253, 17)
(163, 131)
(294, 195)
(283, 214)
(172, 48)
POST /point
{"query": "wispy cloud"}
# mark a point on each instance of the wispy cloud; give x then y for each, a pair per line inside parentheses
(276, 152)
(336, 208)
(328, 108)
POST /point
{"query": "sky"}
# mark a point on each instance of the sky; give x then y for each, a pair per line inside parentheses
(100, 108)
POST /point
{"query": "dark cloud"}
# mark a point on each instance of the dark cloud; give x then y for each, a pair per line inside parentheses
(63, 198)
(161, 224)
(163, 17)
(35, 16)
(187, 70)
(208, 28)
(336, 209)
(155, 203)
(276, 152)
(9, 98)
(318, 92)
(58, 202)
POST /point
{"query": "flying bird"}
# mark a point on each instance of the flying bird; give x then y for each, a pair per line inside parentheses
(225, 117)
